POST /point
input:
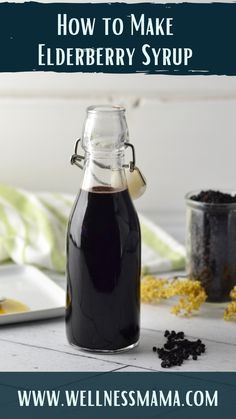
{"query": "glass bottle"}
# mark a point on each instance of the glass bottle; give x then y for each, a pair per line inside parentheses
(103, 242)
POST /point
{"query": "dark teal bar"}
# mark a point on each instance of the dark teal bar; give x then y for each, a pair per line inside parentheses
(208, 29)
(222, 383)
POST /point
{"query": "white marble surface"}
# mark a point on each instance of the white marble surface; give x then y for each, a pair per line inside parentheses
(42, 345)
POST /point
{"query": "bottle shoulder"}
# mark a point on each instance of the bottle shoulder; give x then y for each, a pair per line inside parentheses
(103, 206)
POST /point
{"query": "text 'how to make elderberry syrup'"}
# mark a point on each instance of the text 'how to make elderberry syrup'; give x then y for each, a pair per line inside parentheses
(177, 349)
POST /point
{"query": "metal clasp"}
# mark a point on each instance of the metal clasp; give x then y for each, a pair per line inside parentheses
(131, 164)
(78, 158)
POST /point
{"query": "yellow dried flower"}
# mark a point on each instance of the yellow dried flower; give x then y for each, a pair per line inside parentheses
(192, 296)
(191, 293)
(152, 289)
(230, 310)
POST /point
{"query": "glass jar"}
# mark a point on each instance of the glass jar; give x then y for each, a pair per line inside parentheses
(211, 246)
(103, 241)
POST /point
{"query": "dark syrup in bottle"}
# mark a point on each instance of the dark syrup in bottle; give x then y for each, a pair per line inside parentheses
(103, 271)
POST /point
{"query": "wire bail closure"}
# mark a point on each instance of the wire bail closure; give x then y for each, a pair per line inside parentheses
(77, 159)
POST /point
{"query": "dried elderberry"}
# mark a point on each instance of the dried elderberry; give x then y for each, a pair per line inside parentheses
(177, 349)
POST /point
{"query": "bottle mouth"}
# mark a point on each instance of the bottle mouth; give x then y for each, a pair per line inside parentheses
(105, 109)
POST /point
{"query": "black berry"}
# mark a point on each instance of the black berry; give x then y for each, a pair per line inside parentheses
(177, 349)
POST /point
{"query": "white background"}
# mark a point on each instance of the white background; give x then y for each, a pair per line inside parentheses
(183, 129)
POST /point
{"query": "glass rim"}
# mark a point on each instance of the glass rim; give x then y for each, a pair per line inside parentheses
(209, 205)
(105, 108)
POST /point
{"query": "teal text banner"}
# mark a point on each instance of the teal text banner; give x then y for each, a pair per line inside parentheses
(151, 38)
(117, 395)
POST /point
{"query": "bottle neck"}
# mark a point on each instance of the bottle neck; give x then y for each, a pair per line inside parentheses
(104, 171)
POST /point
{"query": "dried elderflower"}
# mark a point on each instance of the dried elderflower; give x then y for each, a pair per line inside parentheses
(192, 294)
(230, 310)
(153, 289)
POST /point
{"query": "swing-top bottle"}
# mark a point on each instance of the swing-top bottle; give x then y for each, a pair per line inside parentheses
(103, 241)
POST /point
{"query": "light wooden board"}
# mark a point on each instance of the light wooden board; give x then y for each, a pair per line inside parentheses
(25, 357)
(46, 342)
(207, 324)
